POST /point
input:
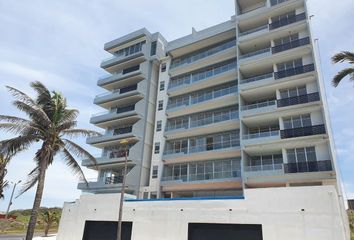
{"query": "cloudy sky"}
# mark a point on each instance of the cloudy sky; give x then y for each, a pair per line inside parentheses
(61, 44)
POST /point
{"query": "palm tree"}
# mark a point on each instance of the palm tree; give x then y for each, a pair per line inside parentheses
(4, 161)
(52, 125)
(344, 56)
(48, 218)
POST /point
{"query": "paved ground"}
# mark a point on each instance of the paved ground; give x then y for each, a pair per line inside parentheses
(21, 237)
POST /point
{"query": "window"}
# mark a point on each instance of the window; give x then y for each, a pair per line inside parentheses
(162, 85)
(293, 92)
(157, 148)
(287, 39)
(158, 126)
(146, 195)
(307, 154)
(153, 195)
(289, 65)
(160, 106)
(155, 171)
(297, 121)
(131, 69)
(153, 48)
(163, 67)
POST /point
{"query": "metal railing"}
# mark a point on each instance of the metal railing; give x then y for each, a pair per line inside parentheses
(123, 130)
(261, 135)
(258, 52)
(262, 168)
(203, 176)
(294, 71)
(258, 105)
(253, 30)
(311, 97)
(113, 180)
(303, 131)
(312, 166)
(290, 45)
(287, 21)
(257, 78)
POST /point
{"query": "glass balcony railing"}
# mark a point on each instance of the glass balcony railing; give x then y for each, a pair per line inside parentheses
(179, 62)
(261, 135)
(287, 21)
(262, 168)
(276, 2)
(204, 147)
(203, 97)
(312, 166)
(257, 78)
(202, 75)
(312, 97)
(259, 105)
(113, 180)
(253, 30)
(291, 45)
(255, 53)
(203, 176)
(119, 91)
(215, 118)
(294, 71)
(303, 131)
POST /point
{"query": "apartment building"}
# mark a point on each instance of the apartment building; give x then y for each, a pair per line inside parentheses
(231, 119)
(238, 105)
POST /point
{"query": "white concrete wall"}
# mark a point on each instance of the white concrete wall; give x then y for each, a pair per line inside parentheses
(294, 213)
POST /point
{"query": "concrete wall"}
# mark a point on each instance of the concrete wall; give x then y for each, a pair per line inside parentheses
(301, 213)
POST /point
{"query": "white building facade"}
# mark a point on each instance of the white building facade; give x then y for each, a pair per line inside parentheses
(226, 115)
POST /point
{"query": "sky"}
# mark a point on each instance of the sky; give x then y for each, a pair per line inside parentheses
(60, 43)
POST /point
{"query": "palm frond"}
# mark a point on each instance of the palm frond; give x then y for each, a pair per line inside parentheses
(80, 133)
(32, 179)
(78, 151)
(341, 75)
(343, 56)
(17, 144)
(69, 115)
(35, 113)
(13, 119)
(66, 125)
(73, 165)
(43, 94)
(18, 128)
(21, 96)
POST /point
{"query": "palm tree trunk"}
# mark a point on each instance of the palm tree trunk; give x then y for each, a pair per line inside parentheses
(2, 178)
(37, 201)
(46, 229)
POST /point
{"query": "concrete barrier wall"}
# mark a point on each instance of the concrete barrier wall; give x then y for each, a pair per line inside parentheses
(297, 213)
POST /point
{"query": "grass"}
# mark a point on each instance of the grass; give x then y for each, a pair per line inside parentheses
(19, 225)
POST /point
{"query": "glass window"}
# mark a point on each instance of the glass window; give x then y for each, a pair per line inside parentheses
(162, 85)
(160, 106)
(163, 67)
(291, 156)
(155, 171)
(300, 155)
(306, 120)
(158, 126)
(157, 148)
(311, 154)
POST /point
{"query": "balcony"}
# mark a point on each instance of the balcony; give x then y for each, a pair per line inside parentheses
(204, 177)
(202, 58)
(264, 170)
(124, 60)
(258, 108)
(227, 149)
(123, 96)
(291, 45)
(208, 125)
(276, 2)
(257, 78)
(207, 77)
(285, 102)
(113, 136)
(263, 28)
(303, 131)
(303, 167)
(256, 54)
(108, 184)
(260, 137)
(287, 21)
(294, 71)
